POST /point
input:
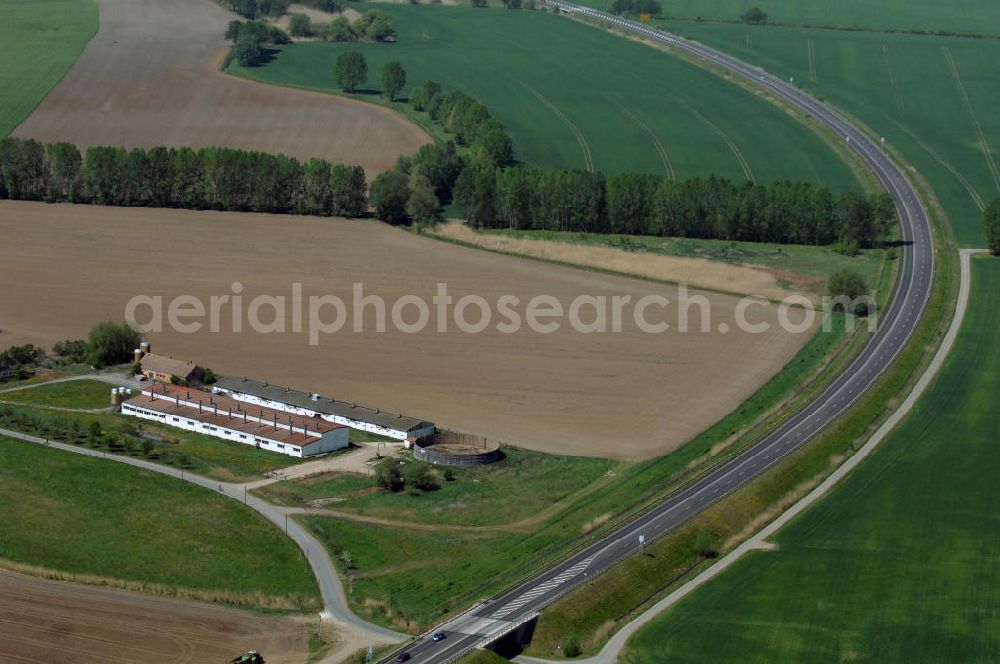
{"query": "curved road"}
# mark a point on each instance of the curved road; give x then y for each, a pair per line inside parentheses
(501, 613)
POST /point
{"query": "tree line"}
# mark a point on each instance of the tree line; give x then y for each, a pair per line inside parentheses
(250, 40)
(418, 185)
(481, 180)
(629, 203)
(644, 204)
(210, 178)
(257, 8)
(991, 226)
(635, 8)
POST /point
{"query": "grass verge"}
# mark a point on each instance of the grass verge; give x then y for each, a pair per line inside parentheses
(804, 260)
(596, 609)
(852, 576)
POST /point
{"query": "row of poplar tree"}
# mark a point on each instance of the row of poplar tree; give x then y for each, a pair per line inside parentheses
(209, 178)
(491, 196)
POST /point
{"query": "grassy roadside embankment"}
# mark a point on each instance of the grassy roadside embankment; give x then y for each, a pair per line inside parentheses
(851, 577)
(593, 611)
(409, 576)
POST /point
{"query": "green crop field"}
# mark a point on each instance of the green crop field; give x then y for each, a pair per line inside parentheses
(518, 487)
(69, 394)
(898, 564)
(39, 42)
(98, 518)
(957, 16)
(933, 98)
(571, 95)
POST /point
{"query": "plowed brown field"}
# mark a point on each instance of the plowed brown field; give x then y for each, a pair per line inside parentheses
(150, 77)
(625, 395)
(51, 622)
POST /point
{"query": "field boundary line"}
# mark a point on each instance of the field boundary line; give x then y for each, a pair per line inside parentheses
(664, 156)
(726, 139)
(983, 143)
(897, 95)
(588, 159)
(758, 542)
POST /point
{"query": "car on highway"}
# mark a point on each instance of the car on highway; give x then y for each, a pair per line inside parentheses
(403, 657)
(438, 636)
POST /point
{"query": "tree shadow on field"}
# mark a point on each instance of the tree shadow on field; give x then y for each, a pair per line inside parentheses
(267, 56)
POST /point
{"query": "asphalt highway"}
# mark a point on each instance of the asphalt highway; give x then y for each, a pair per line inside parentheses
(896, 325)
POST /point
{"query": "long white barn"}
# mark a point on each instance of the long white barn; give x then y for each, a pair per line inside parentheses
(214, 415)
(288, 400)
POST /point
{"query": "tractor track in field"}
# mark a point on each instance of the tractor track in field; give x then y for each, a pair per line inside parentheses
(897, 96)
(976, 198)
(981, 136)
(733, 147)
(588, 159)
(660, 150)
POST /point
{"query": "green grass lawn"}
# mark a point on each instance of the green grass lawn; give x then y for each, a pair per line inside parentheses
(93, 517)
(218, 459)
(903, 87)
(39, 42)
(516, 488)
(800, 259)
(548, 79)
(410, 578)
(898, 564)
(84, 394)
(958, 16)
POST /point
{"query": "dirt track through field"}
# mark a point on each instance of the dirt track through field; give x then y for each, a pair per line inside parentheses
(622, 395)
(52, 622)
(150, 77)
